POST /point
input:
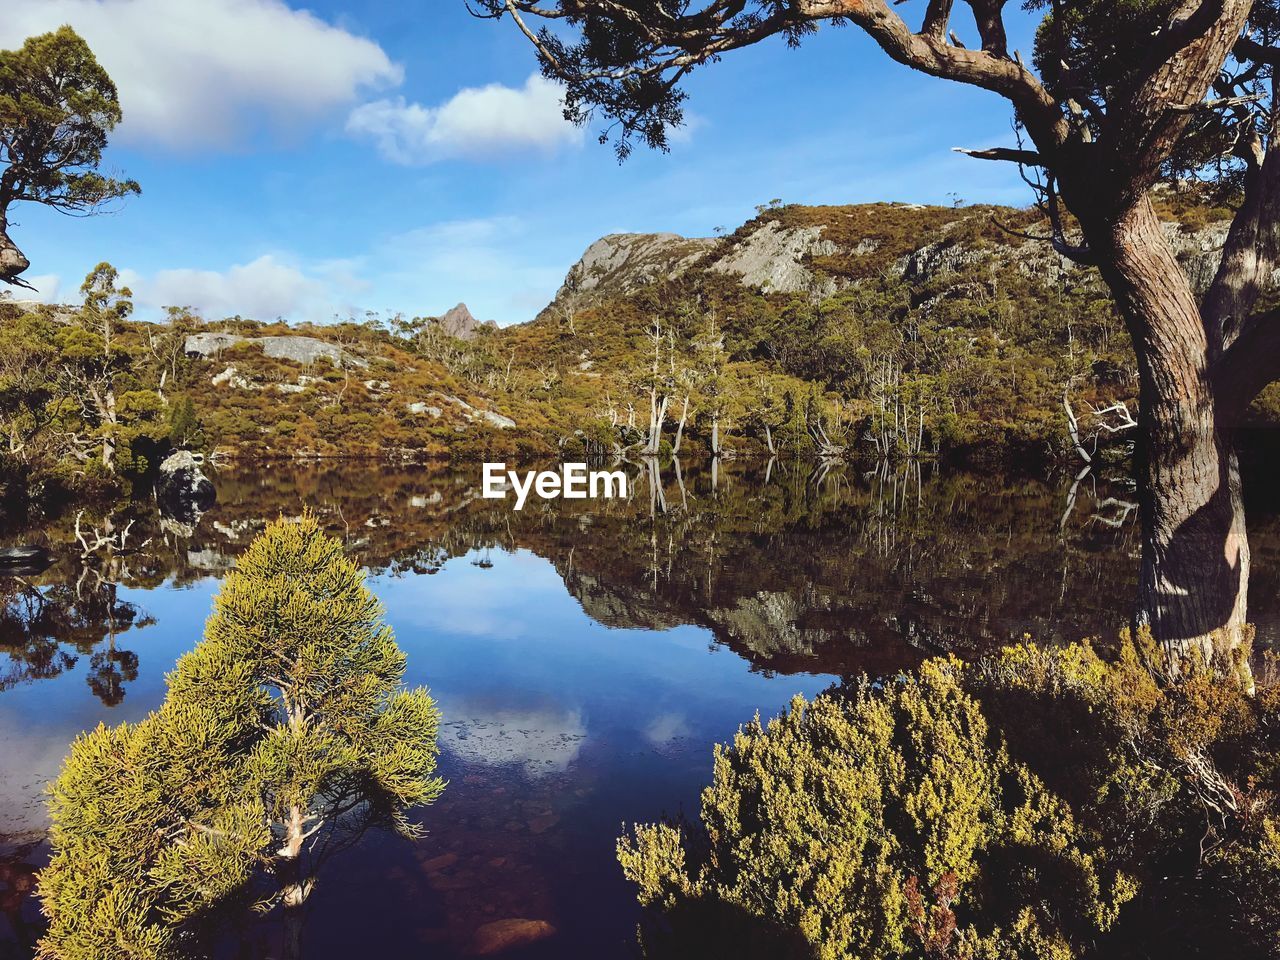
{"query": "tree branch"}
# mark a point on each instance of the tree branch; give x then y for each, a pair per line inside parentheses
(1028, 158)
(1247, 366)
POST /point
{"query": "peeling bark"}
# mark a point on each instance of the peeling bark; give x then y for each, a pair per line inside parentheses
(13, 262)
(1195, 555)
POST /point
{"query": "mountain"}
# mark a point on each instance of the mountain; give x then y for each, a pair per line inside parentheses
(458, 322)
(818, 251)
(868, 330)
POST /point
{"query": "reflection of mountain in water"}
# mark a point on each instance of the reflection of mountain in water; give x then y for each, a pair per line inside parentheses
(831, 575)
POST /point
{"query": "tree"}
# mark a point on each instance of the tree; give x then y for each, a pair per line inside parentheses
(184, 426)
(712, 382)
(1123, 94)
(95, 357)
(30, 398)
(57, 106)
(285, 735)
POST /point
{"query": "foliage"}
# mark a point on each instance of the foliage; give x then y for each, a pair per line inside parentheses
(57, 108)
(287, 721)
(184, 426)
(888, 824)
(1045, 802)
(929, 332)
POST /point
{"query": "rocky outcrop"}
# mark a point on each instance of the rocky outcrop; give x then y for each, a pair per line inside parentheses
(233, 378)
(771, 257)
(208, 345)
(775, 259)
(472, 414)
(182, 489)
(780, 259)
(458, 322)
(304, 350)
(622, 262)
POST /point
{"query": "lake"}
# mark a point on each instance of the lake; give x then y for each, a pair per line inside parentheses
(586, 655)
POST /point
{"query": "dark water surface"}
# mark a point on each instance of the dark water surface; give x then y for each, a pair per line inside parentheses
(586, 655)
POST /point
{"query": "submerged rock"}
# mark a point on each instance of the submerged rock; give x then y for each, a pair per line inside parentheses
(182, 489)
(503, 935)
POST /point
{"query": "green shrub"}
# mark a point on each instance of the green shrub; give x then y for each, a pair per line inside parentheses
(285, 734)
(1040, 803)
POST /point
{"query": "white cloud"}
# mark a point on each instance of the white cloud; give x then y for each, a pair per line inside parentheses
(492, 263)
(48, 286)
(479, 122)
(204, 72)
(265, 288)
(489, 263)
(666, 728)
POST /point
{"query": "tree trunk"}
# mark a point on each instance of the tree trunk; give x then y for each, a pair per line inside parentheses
(12, 260)
(294, 888)
(684, 414)
(291, 946)
(109, 431)
(1195, 556)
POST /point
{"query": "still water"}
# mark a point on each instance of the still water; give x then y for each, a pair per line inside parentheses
(586, 655)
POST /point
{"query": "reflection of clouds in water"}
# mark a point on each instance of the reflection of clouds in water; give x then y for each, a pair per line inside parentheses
(666, 728)
(470, 601)
(541, 739)
(33, 755)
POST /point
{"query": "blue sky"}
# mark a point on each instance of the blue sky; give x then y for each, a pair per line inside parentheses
(344, 156)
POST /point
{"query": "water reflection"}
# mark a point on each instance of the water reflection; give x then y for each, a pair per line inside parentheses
(541, 740)
(585, 654)
(832, 573)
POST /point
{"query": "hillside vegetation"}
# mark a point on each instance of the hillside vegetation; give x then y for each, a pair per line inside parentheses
(878, 330)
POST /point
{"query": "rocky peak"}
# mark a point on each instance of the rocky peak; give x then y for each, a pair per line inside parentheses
(816, 251)
(459, 322)
(768, 255)
(622, 262)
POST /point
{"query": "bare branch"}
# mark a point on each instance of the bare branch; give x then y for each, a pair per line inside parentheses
(1218, 104)
(1028, 158)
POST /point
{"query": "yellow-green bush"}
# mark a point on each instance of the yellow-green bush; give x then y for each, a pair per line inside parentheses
(888, 822)
(1041, 803)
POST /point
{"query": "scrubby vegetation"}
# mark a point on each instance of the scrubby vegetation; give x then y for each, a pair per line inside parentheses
(286, 733)
(1044, 802)
(922, 332)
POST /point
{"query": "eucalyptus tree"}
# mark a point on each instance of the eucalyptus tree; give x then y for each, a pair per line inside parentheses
(93, 356)
(57, 108)
(1118, 96)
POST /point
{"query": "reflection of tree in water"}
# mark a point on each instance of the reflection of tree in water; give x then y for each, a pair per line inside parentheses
(28, 635)
(77, 609)
(837, 570)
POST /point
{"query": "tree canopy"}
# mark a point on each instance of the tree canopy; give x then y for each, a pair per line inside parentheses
(285, 734)
(57, 108)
